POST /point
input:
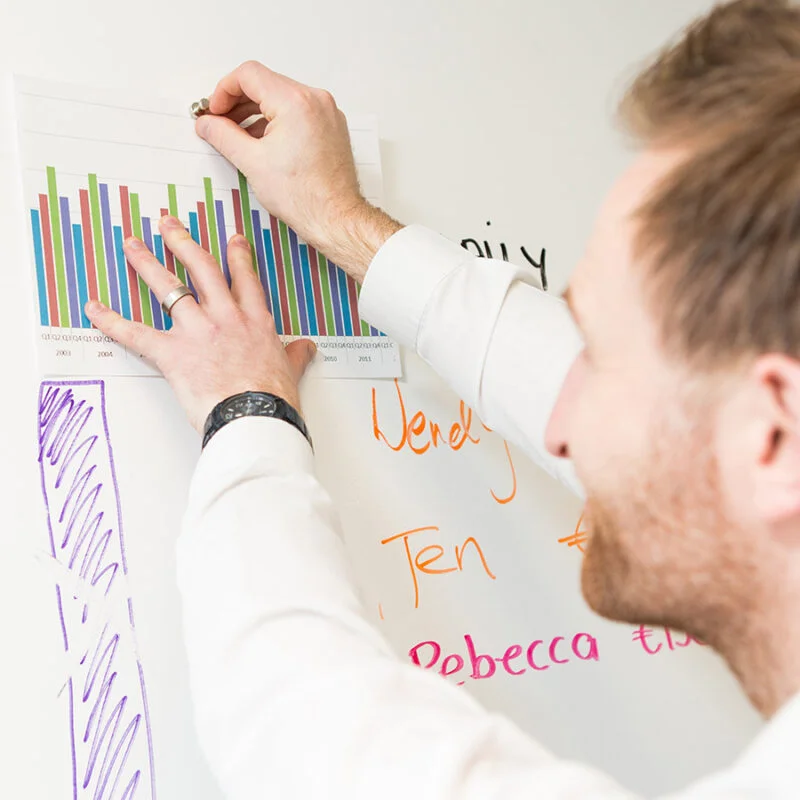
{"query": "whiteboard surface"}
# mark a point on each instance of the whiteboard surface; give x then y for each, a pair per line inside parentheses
(497, 114)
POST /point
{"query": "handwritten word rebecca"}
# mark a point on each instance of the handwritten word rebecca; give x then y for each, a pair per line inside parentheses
(419, 435)
(642, 634)
(486, 252)
(422, 559)
(539, 656)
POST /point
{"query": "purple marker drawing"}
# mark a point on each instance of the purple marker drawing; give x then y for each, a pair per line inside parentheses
(109, 724)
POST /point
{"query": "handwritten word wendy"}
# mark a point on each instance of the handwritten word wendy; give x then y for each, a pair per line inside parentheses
(420, 560)
(540, 655)
(419, 434)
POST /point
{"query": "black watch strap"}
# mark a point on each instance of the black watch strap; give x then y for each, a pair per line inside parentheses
(252, 404)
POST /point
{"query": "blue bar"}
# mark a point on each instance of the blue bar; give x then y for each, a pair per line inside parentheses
(336, 302)
(374, 331)
(158, 252)
(155, 306)
(69, 258)
(222, 234)
(313, 328)
(122, 268)
(262, 264)
(273, 281)
(194, 226)
(111, 268)
(342, 278)
(298, 282)
(80, 263)
(41, 280)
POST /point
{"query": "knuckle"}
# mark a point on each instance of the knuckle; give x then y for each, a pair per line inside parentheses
(326, 98)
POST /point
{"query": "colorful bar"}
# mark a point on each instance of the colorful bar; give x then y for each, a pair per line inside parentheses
(248, 224)
(144, 289)
(223, 240)
(127, 232)
(50, 269)
(212, 222)
(353, 295)
(194, 227)
(237, 211)
(316, 291)
(80, 268)
(364, 326)
(322, 268)
(88, 250)
(297, 272)
(344, 296)
(110, 258)
(160, 252)
(41, 275)
(272, 278)
(58, 248)
(172, 192)
(203, 224)
(69, 261)
(261, 261)
(169, 260)
(308, 290)
(333, 279)
(155, 307)
(286, 322)
(122, 269)
(97, 233)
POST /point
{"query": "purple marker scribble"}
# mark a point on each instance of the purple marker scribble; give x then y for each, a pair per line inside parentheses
(110, 735)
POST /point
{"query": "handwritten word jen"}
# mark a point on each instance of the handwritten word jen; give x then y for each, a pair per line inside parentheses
(539, 656)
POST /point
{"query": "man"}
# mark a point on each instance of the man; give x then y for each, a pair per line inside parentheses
(681, 413)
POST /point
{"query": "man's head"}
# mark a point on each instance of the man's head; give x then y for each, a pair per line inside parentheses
(682, 415)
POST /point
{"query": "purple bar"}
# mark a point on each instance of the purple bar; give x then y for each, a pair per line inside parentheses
(262, 263)
(155, 306)
(298, 282)
(222, 235)
(111, 259)
(69, 252)
(337, 301)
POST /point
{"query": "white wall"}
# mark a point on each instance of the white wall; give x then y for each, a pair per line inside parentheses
(494, 112)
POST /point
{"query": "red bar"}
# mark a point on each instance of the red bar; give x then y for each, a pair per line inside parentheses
(168, 257)
(351, 290)
(133, 277)
(47, 239)
(237, 211)
(313, 265)
(88, 248)
(281, 270)
(203, 220)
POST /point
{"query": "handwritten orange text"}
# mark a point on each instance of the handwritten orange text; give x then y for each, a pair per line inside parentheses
(420, 561)
(642, 635)
(538, 656)
(579, 538)
(419, 434)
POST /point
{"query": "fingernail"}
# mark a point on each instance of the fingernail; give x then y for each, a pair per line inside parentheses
(239, 241)
(201, 126)
(132, 243)
(171, 222)
(92, 308)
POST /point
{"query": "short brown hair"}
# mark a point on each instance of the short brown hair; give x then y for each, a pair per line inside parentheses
(721, 234)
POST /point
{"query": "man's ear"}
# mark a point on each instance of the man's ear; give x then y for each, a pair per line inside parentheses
(775, 437)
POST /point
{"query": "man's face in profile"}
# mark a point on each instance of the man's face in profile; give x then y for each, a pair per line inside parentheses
(641, 430)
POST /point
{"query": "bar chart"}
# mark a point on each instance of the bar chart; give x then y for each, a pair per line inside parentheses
(87, 193)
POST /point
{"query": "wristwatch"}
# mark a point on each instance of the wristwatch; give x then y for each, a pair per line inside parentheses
(252, 404)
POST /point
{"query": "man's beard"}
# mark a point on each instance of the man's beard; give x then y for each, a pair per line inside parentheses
(661, 551)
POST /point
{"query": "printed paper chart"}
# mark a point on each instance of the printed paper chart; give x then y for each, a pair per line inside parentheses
(96, 170)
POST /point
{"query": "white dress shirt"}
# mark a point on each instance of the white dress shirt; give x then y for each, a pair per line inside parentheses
(296, 694)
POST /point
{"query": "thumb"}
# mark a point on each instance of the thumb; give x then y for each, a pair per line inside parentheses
(228, 139)
(300, 353)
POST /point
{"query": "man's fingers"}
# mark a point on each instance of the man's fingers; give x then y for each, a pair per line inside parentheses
(134, 335)
(300, 354)
(253, 81)
(243, 111)
(245, 286)
(206, 274)
(228, 139)
(257, 128)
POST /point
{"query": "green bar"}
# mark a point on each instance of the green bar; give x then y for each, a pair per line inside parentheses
(58, 248)
(97, 234)
(211, 218)
(173, 210)
(144, 289)
(364, 326)
(330, 322)
(288, 268)
(248, 218)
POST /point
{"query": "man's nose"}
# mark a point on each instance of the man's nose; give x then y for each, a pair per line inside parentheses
(556, 435)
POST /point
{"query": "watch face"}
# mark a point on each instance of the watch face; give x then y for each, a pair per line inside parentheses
(248, 405)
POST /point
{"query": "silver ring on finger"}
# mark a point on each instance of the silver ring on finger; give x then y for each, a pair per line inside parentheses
(177, 294)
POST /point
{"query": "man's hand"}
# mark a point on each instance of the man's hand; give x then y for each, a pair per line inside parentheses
(298, 160)
(222, 345)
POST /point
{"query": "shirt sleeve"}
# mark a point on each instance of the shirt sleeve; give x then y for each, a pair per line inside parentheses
(503, 345)
(296, 694)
